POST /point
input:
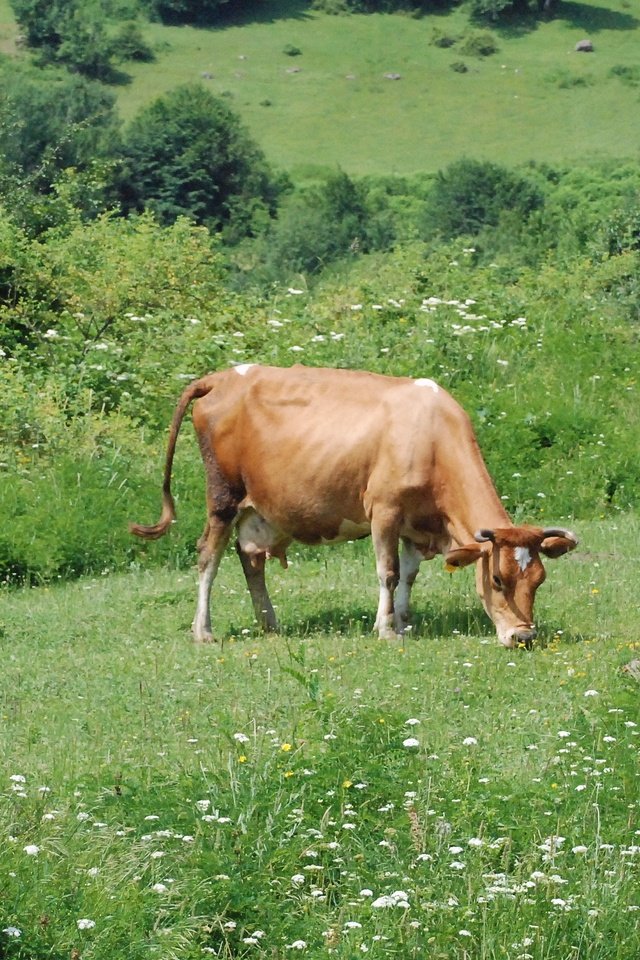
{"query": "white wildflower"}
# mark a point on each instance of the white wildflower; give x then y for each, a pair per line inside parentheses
(85, 924)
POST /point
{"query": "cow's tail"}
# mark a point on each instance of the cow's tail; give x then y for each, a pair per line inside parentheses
(199, 388)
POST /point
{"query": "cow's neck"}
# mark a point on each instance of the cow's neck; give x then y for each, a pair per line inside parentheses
(471, 502)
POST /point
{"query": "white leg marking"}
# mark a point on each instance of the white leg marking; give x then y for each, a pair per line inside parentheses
(425, 382)
(202, 621)
(410, 560)
(384, 616)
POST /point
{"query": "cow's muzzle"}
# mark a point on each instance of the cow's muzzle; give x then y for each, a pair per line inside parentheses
(521, 637)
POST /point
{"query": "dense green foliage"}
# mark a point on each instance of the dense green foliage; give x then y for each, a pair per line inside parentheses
(102, 324)
(186, 11)
(69, 32)
(470, 195)
(517, 288)
(338, 219)
(57, 134)
(188, 154)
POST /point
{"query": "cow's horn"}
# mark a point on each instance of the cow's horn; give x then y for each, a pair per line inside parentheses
(559, 532)
(482, 536)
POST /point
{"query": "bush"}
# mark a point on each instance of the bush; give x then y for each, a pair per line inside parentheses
(68, 32)
(185, 11)
(323, 224)
(628, 74)
(129, 44)
(459, 66)
(565, 80)
(443, 40)
(482, 44)
(472, 194)
(187, 154)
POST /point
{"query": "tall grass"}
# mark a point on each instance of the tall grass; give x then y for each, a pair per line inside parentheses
(321, 791)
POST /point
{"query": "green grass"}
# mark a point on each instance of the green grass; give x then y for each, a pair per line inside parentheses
(8, 28)
(125, 735)
(534, 99)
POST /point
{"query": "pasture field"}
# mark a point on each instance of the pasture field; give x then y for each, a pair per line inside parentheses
(332, 107)
(322, 793)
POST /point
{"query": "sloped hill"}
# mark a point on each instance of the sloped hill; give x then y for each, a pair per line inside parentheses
(334, 103)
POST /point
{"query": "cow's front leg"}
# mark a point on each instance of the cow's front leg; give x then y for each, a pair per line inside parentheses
(253, 568)
(410, 560)
(211, 546)
(384, 532)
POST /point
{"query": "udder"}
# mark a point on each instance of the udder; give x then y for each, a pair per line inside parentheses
(257, 537)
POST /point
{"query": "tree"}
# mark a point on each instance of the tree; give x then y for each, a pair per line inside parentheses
(69, 32)
(51, 123)
(188, 154)
(337, 219)
(185, 11)
(472, 194)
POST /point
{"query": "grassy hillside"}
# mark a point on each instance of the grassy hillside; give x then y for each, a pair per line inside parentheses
(8, 28)
(535, 98)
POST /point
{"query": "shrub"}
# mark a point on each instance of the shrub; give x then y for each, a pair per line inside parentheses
(480, 44)
(69, 32)
(292, 51)
(129, 44)
(472, 194)
(188, 154)
(443, 40)
(628, 74)
(565, 80)
(459, 66)
(323, 224)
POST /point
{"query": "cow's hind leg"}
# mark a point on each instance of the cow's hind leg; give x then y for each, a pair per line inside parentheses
(211, 546)
(253, 568)
(410, 560)
(384, 533)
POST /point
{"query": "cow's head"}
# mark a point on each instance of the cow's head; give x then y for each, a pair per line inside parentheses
(509, 572)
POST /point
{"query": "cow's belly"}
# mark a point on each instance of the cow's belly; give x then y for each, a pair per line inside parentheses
(257, 535)
(348, 530)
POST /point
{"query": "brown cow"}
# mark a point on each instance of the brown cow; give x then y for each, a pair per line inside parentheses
(321, 456)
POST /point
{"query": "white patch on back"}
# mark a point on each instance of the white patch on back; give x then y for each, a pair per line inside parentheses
(243, 368)
(425, 382)
(523, 557)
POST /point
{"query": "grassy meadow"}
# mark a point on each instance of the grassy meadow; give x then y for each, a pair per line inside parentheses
(535, 98)
(332, 107)
(322, 793)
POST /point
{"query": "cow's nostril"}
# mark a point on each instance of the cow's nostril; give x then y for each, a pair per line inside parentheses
(525, 638)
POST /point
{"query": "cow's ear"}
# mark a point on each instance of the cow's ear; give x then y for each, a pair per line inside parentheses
(553, 547)
(463, 556)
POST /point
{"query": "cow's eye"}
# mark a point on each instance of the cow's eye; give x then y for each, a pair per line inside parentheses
(497, 582)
